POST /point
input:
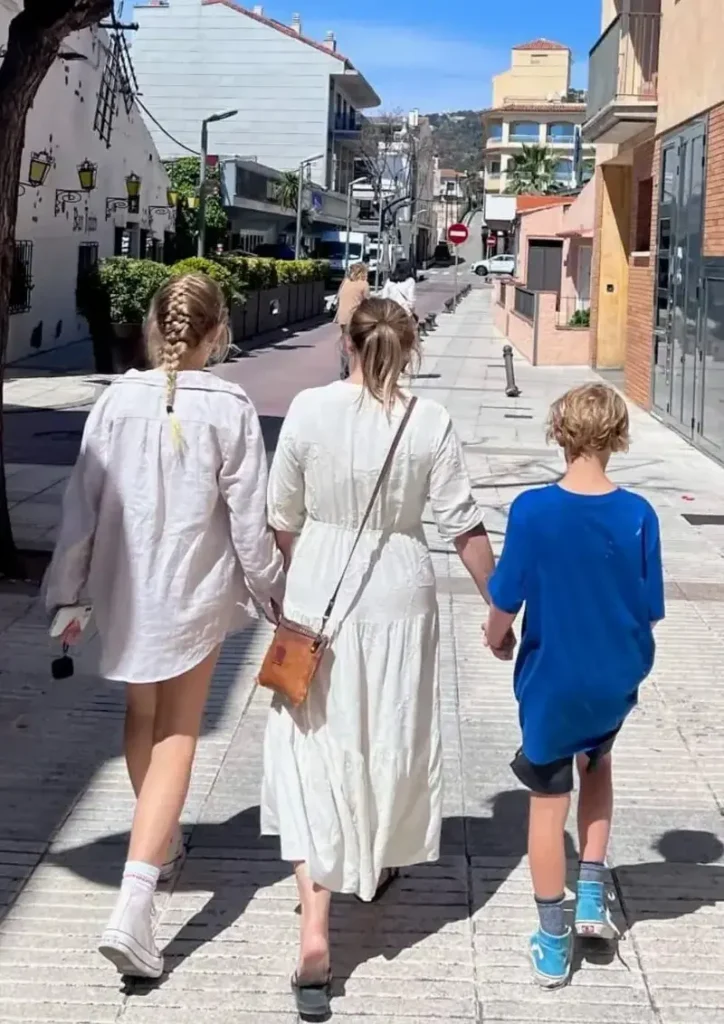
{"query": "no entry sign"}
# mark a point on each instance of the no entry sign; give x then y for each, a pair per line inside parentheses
(457, 234)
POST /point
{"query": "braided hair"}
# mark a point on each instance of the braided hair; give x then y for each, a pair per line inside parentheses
(185, 312)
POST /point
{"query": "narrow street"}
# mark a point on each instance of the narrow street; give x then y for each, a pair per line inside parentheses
(448, 942)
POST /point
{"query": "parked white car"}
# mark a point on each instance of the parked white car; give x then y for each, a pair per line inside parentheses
(503, 264)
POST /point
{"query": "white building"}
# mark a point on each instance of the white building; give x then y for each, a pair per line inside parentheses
(451, 198)
(78, 120)
(295, 98)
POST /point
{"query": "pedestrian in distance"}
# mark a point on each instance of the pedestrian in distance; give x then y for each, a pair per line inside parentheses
(583, 556)
(400, 287)
(353, 290)
(353, 776)
(164, 526)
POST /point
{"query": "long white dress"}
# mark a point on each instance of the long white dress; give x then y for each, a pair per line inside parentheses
(170, 545)
(353, 778)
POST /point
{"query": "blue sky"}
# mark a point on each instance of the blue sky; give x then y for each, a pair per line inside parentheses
(441, 55)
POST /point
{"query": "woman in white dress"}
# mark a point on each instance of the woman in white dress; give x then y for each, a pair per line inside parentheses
(400, 287)
(164, 526)
(353, 777)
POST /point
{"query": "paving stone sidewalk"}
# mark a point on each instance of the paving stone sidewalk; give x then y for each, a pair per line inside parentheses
(448, 942)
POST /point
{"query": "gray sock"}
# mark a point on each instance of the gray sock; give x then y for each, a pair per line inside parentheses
(551, 916)
(593, 871)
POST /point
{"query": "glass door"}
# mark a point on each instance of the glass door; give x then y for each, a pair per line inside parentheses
(678, 276)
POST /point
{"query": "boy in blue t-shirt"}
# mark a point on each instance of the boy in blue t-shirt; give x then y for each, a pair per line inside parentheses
(584, 558)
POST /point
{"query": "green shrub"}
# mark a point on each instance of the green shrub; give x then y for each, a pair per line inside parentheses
(581, 318)
(223, 275)
(119, 290)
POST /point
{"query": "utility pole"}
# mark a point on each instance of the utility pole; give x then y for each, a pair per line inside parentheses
(201, 240)
(380, 221)
(300, 202)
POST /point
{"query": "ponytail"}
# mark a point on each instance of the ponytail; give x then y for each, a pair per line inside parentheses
(385, 340)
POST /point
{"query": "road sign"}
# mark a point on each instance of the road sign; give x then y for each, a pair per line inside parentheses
(457, 234)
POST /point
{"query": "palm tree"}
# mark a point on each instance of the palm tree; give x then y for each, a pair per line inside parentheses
(531, 171)
(286, 190)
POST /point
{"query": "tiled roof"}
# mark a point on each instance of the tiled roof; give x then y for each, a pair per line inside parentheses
(535, 108)
(285, 29)
(541, 44)
(526, 204)
(446, 173)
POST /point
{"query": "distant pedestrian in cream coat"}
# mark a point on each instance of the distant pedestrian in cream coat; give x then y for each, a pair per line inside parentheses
(164, 526)
(353, 290)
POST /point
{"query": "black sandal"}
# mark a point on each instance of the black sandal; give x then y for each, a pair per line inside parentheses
(313, 997)
(389, 876)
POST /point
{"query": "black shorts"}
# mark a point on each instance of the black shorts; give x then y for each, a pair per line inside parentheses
(556, 778)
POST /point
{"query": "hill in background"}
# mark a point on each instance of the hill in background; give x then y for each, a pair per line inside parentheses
(458, 139)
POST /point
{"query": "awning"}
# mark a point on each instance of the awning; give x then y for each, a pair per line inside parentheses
(579, 217)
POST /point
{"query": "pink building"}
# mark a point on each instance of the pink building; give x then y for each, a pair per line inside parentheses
(544, 311)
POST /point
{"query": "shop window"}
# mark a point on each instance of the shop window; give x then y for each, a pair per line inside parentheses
(644, 202)
(21, 284)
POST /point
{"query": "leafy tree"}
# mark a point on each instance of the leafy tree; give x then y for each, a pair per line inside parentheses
(34, 40)
(286, 190)
(531, 172)
(184, 176)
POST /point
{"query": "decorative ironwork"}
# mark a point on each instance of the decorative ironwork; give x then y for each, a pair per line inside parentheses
(64, 196)
(115, 203)
(166, 211)
(21, 284)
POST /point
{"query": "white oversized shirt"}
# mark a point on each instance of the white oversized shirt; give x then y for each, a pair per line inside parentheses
(170, 542)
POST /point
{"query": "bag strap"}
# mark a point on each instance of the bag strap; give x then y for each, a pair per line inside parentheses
(370, 505)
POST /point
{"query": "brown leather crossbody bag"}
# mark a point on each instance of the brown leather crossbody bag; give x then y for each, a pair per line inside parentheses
(295, 652)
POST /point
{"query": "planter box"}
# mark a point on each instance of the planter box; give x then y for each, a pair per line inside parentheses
(128, 349)
(237, 318)
(294, 303)
(273, 309)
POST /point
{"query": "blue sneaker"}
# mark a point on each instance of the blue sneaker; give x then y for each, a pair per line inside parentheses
(551, 958)
(593, 918)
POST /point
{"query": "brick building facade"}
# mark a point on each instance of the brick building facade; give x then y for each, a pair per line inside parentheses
(657, 290)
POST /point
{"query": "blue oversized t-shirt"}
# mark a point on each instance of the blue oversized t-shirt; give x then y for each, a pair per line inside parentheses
(588, 570)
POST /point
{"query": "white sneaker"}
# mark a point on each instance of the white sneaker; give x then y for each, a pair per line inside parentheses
(174, 855)
(128, 941)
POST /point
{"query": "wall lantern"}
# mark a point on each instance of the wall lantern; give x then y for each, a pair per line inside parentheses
(192, 202)
(87, 175)
(40, 164)
(171, 197)
(133, 191)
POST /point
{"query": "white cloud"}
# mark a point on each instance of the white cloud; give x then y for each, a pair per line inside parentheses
(410, 67)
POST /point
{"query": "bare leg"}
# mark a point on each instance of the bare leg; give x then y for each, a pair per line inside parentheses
(180, 705)
(595, 808)
(138, 731)
(314, 929)
(546, 845)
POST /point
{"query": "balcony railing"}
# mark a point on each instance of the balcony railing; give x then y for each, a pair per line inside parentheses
(624, 63)
(524, 303)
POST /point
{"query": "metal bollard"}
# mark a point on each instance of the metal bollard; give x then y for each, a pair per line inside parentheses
(511, 388)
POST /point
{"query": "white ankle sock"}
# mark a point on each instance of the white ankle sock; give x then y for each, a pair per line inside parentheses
(140, 876)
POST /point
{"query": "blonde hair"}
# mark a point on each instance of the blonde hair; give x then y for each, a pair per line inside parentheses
(185, 312)
(385, 339)
(358, 272)
(590, 418)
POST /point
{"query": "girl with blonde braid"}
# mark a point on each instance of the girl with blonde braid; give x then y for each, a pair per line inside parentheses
(164, 528)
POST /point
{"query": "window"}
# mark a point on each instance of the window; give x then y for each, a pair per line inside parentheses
(644, 202)
(562, 133)
(495, 131)
(494, 167)
(524, 131)
(563, 170)
(22, 282)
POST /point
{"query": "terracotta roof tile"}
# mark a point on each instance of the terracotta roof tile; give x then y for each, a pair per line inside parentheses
(285, 29)
(535, 108)
(527, 204)
(541, 44)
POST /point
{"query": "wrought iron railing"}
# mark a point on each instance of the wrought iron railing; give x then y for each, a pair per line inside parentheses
(573, 311)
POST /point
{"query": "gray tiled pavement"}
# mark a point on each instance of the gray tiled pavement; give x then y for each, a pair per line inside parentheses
(448, 943)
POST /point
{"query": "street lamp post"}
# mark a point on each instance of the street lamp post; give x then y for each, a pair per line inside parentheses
(350, 188)
(201, 241)
(300, 202)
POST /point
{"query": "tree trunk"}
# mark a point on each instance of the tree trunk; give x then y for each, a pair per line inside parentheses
(34, 40)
